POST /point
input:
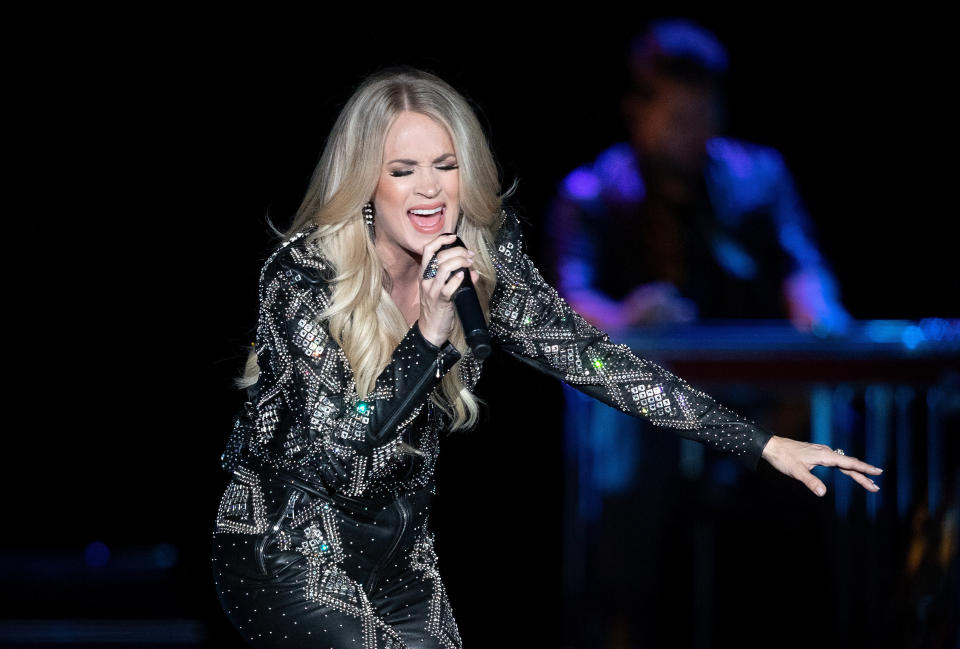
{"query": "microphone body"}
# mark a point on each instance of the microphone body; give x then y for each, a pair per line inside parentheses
(468, 309)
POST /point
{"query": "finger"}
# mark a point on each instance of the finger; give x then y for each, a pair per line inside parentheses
(446, 271)
(814, 483)
(852, 463)
(453, 253)
(863, 480)
(430, 249)
(451, 266)
(436, 286)
(452, 285)
(457, 275)
(441, 256)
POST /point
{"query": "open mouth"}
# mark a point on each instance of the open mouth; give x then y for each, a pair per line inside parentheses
(427, 221)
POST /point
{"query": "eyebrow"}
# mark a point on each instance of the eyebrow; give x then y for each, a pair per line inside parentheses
(407, 161)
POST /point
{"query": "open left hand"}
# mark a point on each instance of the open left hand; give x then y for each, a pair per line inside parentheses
(795, 459)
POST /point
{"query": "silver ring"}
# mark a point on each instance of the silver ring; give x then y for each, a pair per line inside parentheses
(431, 271)
(839, 451)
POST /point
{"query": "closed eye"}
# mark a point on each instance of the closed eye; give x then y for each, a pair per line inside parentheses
(400, 173)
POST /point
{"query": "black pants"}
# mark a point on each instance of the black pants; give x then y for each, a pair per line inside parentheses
(331, 571)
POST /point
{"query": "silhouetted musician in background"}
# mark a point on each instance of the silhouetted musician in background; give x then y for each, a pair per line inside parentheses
(680, 222)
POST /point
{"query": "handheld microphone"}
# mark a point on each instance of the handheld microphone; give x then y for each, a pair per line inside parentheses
(468, 309)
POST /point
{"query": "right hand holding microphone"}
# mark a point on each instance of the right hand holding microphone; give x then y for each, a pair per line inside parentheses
(437, 312)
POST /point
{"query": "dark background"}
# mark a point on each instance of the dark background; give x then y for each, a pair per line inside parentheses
(147, 151)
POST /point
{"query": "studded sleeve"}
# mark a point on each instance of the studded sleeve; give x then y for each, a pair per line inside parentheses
(306, 415)
(530, 321)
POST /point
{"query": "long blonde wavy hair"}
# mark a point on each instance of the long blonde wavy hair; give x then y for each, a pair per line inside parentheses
(362, 317)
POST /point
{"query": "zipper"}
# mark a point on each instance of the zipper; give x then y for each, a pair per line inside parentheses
(404, 515)
(293, 497)
(395, 417)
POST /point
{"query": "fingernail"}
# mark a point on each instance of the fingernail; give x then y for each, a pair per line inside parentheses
(471, 253)
(821, 491)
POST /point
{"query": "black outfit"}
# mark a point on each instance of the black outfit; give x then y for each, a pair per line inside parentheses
(322, 534)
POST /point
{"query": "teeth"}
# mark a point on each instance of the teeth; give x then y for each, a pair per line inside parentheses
(426, 212)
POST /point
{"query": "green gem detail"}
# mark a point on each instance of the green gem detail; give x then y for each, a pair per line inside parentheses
(363, 407)
(324, 547)
(598, 364)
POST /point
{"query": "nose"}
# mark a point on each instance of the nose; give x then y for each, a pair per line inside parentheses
(429, 185)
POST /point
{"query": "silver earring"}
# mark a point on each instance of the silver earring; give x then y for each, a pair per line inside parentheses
(368, 216)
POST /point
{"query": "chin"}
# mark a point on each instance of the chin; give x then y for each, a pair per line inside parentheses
(423, 238)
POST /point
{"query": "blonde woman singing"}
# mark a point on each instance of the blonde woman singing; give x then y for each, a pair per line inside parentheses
(322, 536)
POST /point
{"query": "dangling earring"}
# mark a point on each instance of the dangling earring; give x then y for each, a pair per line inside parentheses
(368, 217)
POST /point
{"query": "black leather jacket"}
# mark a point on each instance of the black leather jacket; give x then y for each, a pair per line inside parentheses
(304, 418)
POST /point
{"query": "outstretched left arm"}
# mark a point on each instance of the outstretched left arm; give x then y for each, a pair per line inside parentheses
(530, 321)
